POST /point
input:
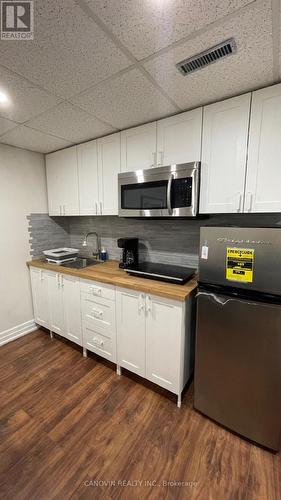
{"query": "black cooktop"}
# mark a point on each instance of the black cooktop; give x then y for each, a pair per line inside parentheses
(162, 272)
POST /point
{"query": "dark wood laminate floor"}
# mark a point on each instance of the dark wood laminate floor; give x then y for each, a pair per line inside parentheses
(67, 421)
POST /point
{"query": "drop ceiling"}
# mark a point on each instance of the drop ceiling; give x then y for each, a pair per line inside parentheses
(99, 66)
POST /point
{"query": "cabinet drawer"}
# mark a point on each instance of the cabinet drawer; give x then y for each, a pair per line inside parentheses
(99, 344)
(99, 315)
(95, 289)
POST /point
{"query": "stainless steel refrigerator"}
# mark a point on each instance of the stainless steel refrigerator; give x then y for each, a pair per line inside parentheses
(238, 338)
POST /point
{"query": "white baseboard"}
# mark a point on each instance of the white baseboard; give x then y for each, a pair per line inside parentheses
(17, 331)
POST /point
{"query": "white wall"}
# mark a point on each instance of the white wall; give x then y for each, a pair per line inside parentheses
(22, 191)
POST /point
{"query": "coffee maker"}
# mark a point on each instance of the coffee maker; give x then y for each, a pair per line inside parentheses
(130, 257)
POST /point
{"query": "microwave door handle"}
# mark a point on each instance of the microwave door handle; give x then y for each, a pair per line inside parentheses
(170, 210)
(194, 192)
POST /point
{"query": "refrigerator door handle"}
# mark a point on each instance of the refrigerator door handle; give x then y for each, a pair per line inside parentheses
(217, 299)
(222, 302)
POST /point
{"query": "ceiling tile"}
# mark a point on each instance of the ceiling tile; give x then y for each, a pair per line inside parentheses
(125, 101)
(24, 137)
(147, 26)
(25, 99)
(6, 125)
(69, 122)
(250, 67)
(69, 52)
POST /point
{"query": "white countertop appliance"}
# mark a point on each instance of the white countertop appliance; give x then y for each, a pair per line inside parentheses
(61, 255)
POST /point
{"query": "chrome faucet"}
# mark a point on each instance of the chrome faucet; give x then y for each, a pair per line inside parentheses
(96, 254)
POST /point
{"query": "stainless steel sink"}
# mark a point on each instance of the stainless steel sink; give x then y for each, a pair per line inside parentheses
(81, 263)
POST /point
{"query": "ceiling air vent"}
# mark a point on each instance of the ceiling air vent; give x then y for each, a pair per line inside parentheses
(207, 57)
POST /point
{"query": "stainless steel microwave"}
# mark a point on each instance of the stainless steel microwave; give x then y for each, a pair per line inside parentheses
(171, 191)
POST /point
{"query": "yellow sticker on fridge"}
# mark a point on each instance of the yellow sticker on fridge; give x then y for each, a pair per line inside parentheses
(240, 264)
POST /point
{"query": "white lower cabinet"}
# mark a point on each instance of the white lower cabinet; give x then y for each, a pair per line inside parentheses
(98, 319)
(163, 342)
(130, 308)
(56, 303)
(64, 305)
(154, 338)
(39, 287)
(146, 334)
(72, 308)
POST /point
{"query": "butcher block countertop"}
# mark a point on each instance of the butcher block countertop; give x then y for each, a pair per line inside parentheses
(109, 272)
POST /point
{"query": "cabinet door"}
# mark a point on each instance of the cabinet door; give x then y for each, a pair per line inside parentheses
(88, 178)
(224, 153)
(55, 183)
(138, 148)
(72, 308)
(39, 286)
(163, 342)
(109, 165)
(62, 182)
(56, 303)
(130, 312)
(179, 138)
(263, 193)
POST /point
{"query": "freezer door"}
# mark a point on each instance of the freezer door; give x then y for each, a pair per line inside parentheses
(238, 366)
(246, 258)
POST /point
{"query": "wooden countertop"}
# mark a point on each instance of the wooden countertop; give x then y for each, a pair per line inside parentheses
(109, 272)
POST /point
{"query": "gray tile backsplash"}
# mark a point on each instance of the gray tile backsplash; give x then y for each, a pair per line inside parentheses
(46, 233)
(162, 240)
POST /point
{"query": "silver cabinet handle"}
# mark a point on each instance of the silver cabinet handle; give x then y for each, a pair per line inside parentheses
(96, 208)
(100, 207)
(169, 187)
(154, 159)
(141, 302)
(148, 303)
(63, 209)
(41, 275)
(239, 202)
(160, 163)
(250, 198)
(95, 290)
(61, 280)
(60, 209)
(58, 279)
(97, 342)
(97, 314)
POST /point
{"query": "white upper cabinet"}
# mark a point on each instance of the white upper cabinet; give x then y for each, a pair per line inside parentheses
(109, 166)
(83, 179)
(263, 186)
(138, 148)
(179, 138)
(176, 139)
(98, 168)
(88, 178)
(62, 182)
(224, 155)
